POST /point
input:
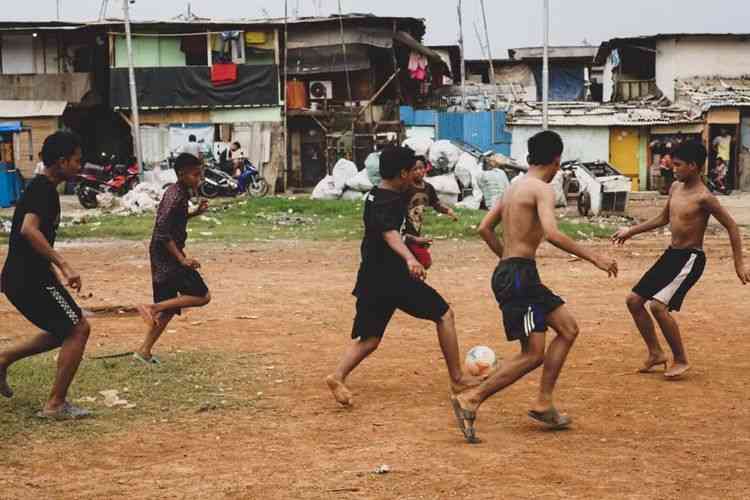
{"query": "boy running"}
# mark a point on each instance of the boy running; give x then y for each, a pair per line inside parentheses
(687, 211)
(527, 213)
(391, 278)
(30, 284)
(176, 281)
(420, 195)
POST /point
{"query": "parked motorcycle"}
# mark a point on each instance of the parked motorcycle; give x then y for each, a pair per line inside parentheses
(112, 177)
(216, 182)
(251, 182)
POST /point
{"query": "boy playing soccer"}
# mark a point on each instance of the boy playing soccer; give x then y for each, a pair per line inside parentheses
(420, 195)
(30, 284)
(687, 211)
(391, 278)
(527, 212)
(176, 281)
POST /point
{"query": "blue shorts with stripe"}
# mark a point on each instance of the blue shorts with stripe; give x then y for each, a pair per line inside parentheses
(523, 299)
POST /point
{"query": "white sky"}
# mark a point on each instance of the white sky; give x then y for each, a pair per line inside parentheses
(512, 23)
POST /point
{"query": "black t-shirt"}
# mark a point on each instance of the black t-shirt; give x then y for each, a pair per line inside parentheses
(381, 266)
(415, 200)
(24, 264)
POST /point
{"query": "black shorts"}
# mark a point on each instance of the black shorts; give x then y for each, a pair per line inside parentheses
(523, 299)
(186, 281)
(48, 306)
(414, 297)
(669, 280)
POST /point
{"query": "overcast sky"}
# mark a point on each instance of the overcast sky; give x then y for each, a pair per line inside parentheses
(512, 23)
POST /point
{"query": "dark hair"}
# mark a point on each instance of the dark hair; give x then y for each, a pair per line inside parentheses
(395, 159)
(691, 152)
(420, 158)
(544, 147)
(235, 143)
(192, 138)
(61, 144)
(185, 161)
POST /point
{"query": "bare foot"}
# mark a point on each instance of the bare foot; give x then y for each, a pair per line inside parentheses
(5, 389)
(677, 370)
(652, 361)
(466, 382)
(147, 314)
(342, 394)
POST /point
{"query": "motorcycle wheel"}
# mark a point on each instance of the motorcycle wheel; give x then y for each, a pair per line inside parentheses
(87, 198)
(258, 189)
(584, 203)
(207, 190)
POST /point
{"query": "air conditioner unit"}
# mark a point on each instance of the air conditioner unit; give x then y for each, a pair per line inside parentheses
(321, 89)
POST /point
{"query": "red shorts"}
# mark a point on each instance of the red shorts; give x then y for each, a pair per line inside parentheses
(422, 254)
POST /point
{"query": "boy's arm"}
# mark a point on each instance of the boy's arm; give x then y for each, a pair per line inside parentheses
(171, 247)
(439, 206)
(546, 210)
(487, 229)
(30, 230)
(661, 220)
(393, 239)
(711, 204)
(200, 210)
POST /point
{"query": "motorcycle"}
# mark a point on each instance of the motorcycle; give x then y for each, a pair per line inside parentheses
(216, 182)
(112, 177)
(251, 182)
(715, 186)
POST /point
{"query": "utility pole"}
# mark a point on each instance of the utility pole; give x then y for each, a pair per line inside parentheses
(463, 63)
(58, 9)
(489, 47)
(285, 90)
(545, 69)
(133, 94)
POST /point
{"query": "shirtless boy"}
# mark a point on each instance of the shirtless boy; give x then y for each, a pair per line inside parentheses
(687, 211)
(527, 213)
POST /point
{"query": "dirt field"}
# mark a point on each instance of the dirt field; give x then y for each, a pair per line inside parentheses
(634, 436)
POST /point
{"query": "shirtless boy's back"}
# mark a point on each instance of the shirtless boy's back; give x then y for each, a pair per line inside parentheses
(527, 213)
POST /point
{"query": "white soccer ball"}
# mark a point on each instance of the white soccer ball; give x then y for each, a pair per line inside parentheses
(480, 360)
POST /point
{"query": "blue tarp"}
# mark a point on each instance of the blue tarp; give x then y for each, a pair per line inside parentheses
(6, 127)
(566, 82)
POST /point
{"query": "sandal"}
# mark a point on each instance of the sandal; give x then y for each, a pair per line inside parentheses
(551, 418)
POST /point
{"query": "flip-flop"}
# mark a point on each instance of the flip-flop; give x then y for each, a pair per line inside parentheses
(551, 419)
(152, 361)
(465, 421)
(66, 412)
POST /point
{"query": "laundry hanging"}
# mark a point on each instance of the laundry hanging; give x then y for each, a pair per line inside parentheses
(223, 74)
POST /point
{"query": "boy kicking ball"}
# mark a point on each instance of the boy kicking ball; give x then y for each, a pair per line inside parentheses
(391, 278)
(667, 283)
(176, 281)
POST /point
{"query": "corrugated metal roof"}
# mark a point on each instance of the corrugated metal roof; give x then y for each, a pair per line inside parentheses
(606, 47)
(703, 94)
(31, 109)
(600, 115)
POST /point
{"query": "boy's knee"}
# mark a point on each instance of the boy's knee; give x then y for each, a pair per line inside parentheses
(634, 301)
(81, 331)
(535, 356)
(657, 308)
(448, 316)
(371, 343)
(206, 299)
(569, 330)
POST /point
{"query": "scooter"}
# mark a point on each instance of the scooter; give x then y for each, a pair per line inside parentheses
(251, 182)
(216, 182)
(115, 178)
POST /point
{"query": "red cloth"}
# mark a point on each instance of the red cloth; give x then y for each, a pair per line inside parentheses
(422, 254)
(223, 74)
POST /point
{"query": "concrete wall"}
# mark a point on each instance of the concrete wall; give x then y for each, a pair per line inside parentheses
(690, 57)
(582, 143)
(608, 81)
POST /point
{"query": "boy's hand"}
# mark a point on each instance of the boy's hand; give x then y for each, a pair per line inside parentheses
(422, 242)
(202, 207)
(450, 213)
(72, 278)
(621, 236)
(191, 263)
(607, 265)
(743, 274)
(416, 270)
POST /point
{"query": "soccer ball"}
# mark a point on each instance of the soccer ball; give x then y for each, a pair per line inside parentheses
(480, 360)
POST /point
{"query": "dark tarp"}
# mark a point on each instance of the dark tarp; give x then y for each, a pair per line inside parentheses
(191, 87)
(313, 60)
(566, 82)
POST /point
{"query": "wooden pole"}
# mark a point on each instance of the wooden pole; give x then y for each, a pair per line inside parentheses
(489, 47)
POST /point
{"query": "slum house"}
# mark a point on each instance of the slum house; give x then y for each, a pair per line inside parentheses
(703, 73)
(350, 74)
(52, 75)
(216, 80)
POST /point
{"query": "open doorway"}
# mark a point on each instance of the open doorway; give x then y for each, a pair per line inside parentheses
(722, 154)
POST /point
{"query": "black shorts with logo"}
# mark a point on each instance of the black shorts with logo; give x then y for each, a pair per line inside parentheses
(48, 306)
(672, 276)
(185, 281)
(375, 308)
(523, 299)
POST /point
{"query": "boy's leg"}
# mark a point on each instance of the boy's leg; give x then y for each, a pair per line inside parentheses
(39, 343)
(67, 364)
(446, 330)
(671, 332)
(354, 355)
(152, 336)
(567, 330)
(636, 306)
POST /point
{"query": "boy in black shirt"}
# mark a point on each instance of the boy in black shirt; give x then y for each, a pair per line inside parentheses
(176, 281)
(29, 281)
(391, 278)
